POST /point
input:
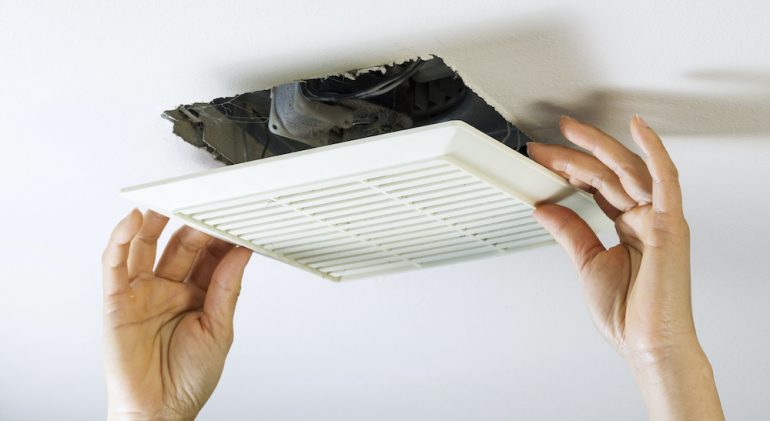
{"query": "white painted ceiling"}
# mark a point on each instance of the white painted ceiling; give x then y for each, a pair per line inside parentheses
(82, 86)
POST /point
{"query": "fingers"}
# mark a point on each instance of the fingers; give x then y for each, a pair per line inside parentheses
(141, 257)
(629, 167)
(180, 253)
(571, 232)
(115, 257)
(223, 291)
(666, 191)
(208, 259)
(581, 170)
(612, 212)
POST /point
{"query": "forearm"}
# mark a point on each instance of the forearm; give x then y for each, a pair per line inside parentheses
(678, 385)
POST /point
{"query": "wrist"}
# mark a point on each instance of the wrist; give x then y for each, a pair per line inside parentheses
(668, 367)
(672, 369)
(124, 416)
(666, 358)
(677, 383)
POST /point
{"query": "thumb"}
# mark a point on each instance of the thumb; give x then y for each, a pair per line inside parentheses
(571, 232)
(223, 291)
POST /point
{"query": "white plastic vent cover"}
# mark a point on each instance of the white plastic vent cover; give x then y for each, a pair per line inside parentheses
(405, 200)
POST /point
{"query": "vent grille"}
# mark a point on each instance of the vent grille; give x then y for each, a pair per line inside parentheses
(406, 200)
(406, 217)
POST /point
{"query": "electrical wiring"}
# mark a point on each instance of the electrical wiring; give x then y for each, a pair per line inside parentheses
(380, 88)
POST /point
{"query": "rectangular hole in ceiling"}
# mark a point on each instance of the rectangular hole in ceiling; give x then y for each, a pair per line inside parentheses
(322, 111)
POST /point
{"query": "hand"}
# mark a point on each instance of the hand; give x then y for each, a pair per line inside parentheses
(638, 292)
(167, 331)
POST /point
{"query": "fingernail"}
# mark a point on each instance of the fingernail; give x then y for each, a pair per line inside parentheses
(566, 117)
(529, 149)
(641, 121)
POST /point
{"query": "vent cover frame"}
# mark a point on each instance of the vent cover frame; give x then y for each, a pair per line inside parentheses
(372, 190)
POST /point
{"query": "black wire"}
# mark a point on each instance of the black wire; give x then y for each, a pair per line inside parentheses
(380, 88)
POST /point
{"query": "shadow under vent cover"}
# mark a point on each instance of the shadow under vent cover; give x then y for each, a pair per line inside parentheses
(407, 200)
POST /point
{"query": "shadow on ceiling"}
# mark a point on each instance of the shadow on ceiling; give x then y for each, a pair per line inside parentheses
(670, 113)
(543, 56)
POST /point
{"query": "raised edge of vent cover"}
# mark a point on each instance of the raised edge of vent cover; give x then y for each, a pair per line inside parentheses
(407, 200)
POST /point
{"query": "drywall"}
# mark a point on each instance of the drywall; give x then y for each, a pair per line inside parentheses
(83, 84)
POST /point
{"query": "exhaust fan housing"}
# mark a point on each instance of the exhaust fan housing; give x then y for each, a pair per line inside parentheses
(317, 112)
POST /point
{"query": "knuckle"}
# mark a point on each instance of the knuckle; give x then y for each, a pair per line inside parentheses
(187, 247)
(627, 170)
(597, 181)
(149, 239)
(669, 180)
(623, 168)
(233, 291)
(670, 228)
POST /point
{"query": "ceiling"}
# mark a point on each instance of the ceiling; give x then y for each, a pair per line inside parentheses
(83, 85)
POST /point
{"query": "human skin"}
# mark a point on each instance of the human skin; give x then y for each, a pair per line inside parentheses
(168, 328)
(638, 292)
